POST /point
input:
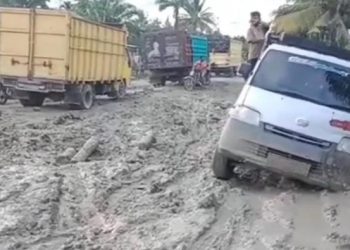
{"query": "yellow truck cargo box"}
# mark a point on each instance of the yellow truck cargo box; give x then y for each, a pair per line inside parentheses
(236, 52)
(58, 46)
(228, 61)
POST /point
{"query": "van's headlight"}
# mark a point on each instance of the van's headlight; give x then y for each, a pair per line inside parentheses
(245, 114)
(344, 145)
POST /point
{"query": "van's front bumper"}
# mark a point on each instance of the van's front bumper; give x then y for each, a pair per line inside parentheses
(255, 146)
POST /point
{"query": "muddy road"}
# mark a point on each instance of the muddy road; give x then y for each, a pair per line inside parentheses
(160, 196)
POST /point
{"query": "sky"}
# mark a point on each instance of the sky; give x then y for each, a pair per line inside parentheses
(232, 15)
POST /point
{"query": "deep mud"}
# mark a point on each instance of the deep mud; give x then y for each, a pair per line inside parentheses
(160, 195)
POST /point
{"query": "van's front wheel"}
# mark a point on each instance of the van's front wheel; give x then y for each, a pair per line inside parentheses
(221, 166)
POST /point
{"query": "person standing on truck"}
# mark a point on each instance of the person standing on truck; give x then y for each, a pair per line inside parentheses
(256, 37)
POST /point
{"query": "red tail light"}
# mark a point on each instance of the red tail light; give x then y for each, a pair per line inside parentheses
(344, 125)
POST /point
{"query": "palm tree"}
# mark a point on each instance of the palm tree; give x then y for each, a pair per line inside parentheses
(107, 11)
(198, 16)
(176, 5)
(24, 3)
(67, 5)
(327, 19)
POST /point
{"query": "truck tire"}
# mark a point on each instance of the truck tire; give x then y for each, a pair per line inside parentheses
(233, 72)
(221, 167)
(189, 83)
(3, 96)
(34, 100)
(118, 91)
(122, 90)
(162, 81)
(87, 98)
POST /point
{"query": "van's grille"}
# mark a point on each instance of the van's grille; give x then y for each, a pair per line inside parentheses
(296, 136)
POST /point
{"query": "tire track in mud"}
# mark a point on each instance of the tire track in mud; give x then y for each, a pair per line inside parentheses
(278, 219)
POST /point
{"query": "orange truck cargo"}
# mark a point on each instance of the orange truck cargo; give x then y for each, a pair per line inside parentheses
(58, 55)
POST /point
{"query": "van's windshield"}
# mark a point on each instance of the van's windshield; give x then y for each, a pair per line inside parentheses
(305, 78)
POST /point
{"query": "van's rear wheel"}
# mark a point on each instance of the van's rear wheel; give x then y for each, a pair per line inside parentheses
(34, 100)
(221, 166)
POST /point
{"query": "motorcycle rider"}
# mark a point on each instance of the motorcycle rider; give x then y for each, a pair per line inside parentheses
(201, 67)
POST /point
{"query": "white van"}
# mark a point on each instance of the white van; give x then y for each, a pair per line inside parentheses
(292, 116)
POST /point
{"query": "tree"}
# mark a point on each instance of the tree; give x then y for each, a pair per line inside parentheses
(107, 11)
(167, 23)
(67, 5)
(139, 25)
(24, 3)
(176, 5)
(198, 16)
(325, 20)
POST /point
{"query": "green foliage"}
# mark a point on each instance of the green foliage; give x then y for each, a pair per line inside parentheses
(24, 3)
(326, 20)
(67, 5)
(176, 5)
(198, 17)
(107, 11)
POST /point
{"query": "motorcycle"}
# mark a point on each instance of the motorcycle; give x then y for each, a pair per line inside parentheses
(196, 78)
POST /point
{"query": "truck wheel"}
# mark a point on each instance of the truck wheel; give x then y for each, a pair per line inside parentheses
(87, 98)
(189, 83)
(119, 91)
(34, 100)
(162, 81)
(221, 167)
(232, 72)
(3, 96)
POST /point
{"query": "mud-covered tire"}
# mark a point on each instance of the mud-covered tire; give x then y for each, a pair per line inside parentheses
(119, 91)
(189, 83)
(34, 100)
(221, 166)
(232, 73)
(162, 82)
(3, 97)
(87, 98)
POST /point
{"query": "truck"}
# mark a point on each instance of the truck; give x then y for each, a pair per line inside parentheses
(170, 54)
(58, 55)
(225, 55)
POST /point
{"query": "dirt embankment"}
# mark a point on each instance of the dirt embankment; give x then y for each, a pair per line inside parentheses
(148, 185)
